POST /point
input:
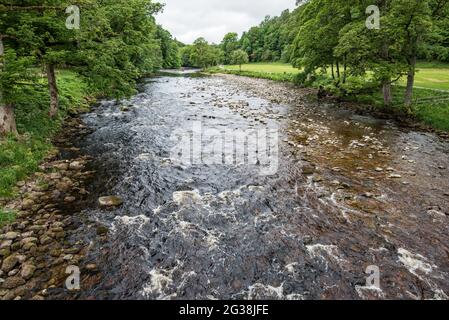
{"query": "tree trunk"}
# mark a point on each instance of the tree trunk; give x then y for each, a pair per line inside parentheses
(386, 90)
(337, 84)
(53, 88)
(410, 82)
(7, 120)
(386, 85)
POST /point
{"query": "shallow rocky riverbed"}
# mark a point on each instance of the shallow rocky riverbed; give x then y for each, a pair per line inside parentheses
(348, 192)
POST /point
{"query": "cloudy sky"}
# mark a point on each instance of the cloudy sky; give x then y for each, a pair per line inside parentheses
(188, 20)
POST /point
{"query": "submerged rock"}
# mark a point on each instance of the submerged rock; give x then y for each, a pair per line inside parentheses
(110, 201)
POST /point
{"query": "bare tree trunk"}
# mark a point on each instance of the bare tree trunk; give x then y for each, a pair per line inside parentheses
(7, 120)
(337, 84)
(410, 82)
(338, 70)
(386, 90)
(53, 88)
(386, 85)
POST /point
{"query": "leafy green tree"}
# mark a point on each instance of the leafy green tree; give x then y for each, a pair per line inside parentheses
(204, 55)
(436, 46)
(229, 44)
(115, 45)
(170, 49)
(13, 71)
(413, 22)
(118, 44)
(239, 57)
(186, 54)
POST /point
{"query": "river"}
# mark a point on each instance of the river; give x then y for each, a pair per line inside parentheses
(331, 196)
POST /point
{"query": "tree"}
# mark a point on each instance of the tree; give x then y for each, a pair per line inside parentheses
(14, 70)
(229, 44)
(412, 21)
(239, 57)
(204, 55)
(170, 50)
(115, 44)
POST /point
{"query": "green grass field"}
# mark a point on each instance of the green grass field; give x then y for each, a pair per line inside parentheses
(429, 75)
(274, 67)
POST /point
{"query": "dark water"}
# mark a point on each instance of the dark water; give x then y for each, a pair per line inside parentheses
(349, 192)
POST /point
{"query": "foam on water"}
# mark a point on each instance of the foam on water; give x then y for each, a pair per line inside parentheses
(263, 291)
(324, 252)
(159, 281)
(415, 263)
(185, 197)
(424, 270)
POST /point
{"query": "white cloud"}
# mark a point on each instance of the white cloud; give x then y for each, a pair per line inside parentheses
(188, 20)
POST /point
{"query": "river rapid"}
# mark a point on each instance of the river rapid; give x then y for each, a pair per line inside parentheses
(342, 194)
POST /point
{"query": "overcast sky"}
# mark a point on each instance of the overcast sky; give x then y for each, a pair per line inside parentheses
(188, 20)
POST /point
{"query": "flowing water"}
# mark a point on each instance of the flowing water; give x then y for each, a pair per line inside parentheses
(349, 193)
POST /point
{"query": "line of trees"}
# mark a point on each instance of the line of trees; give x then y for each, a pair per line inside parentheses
(332, 36)
(115, 43)
(201, 54)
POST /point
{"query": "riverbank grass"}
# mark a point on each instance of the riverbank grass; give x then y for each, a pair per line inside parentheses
(21, 156)
(430, 75)
(6, 217)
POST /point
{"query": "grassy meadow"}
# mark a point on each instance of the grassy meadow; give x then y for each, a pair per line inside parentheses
(429, 75)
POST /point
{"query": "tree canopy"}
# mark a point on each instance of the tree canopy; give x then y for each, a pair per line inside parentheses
(111, 43)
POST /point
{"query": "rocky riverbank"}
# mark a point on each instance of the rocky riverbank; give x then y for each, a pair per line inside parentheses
(37, 248)
(285, 92)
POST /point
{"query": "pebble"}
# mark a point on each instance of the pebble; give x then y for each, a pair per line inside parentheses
(9, 263)
(110, 201)
(27, 271)
(76, 165)
(11, 235)
(436, 213)
(92, 267)
(68, 257)
(69, 199)
(5, 244)
(28, 240)
(13, 282)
